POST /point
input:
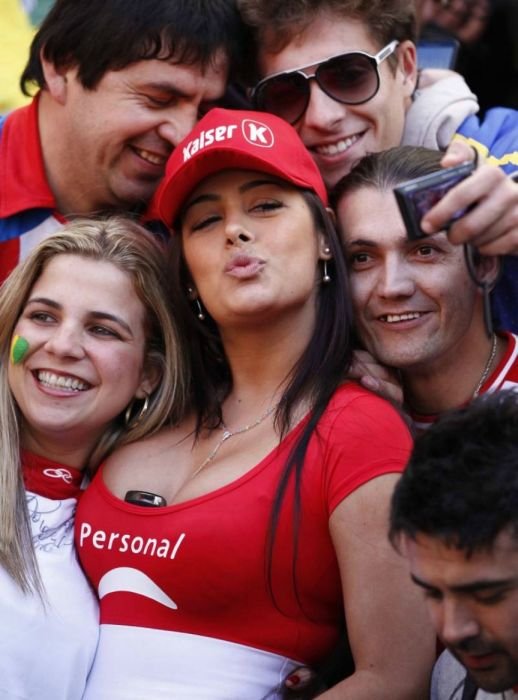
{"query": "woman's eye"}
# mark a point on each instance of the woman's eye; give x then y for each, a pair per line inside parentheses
(103, 331)
(41, 317)
(270, 205)
(204, 223)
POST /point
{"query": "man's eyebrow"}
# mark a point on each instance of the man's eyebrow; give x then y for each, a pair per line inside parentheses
(164, 86)
(364, 242)
(401, 241)
(471, 587)
(421, 583)
(483, 585)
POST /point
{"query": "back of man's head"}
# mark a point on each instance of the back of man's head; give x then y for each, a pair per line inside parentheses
(97, 36)
(461, 483)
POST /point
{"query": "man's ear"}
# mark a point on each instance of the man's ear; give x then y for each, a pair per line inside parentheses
(56, 79)
(488, 269)
(407, 64)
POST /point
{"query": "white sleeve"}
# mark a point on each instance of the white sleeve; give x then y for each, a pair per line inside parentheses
(447, 678)
(438, 109)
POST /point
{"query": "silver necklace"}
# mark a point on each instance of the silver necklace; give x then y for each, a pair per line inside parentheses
(487, 368)
(227, 434)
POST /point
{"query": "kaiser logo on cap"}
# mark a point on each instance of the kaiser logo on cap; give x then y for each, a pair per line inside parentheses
(257, 134)
(234, 139)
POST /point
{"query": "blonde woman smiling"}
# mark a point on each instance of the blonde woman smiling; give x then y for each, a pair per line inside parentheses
(84, 335)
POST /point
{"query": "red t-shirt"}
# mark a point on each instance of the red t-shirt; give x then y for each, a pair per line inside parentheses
(198, 567)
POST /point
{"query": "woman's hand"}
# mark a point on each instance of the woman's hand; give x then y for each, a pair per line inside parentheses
(302, 684)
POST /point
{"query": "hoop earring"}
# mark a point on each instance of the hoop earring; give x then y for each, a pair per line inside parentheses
(325, 277)
(132, 422)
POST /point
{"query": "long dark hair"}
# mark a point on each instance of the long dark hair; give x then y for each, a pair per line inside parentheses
(315, 376)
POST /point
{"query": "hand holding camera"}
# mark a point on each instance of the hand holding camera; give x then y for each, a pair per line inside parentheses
(416, 197)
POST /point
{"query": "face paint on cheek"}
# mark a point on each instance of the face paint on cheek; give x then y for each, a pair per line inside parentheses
(19, 348)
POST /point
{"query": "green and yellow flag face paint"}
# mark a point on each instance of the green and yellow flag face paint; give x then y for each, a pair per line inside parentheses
(19, 348)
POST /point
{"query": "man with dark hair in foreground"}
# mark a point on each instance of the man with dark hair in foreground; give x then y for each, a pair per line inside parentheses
(455, 517)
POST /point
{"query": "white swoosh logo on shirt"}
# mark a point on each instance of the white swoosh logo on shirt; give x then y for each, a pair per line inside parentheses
(128, 580)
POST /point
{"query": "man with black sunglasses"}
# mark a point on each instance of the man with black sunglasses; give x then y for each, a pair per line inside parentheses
(345, 73)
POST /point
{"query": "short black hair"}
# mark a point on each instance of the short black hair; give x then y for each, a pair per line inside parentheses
(97, 36)
(461, 483)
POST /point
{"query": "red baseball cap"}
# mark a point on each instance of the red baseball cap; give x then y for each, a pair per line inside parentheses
(235, 139)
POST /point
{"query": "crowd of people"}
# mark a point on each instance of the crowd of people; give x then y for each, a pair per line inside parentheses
(243, 411)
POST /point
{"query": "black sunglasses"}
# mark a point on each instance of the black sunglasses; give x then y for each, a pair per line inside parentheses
(351, 78)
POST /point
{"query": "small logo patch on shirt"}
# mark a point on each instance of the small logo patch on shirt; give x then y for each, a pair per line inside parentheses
(59, 473)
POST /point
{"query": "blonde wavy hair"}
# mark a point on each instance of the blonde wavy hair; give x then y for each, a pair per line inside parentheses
(127, 245)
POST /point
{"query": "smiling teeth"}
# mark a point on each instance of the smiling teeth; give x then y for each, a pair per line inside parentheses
(60, 382)
(333, 149)
(151, 157)
(396, 318)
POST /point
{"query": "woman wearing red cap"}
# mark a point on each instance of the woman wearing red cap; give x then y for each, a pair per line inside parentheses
(270, 531)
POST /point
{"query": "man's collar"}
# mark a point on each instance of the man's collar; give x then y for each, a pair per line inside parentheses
(23, 184)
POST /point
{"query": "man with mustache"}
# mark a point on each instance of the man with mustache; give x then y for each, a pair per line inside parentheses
(120, 83)
(455, 517)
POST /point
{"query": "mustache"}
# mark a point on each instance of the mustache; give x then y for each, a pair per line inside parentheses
(476, 646)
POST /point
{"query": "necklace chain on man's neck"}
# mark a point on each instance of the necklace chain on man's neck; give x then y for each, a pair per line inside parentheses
(227, 434)
(487, 368)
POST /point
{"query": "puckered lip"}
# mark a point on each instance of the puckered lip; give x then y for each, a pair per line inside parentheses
(244, 262)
